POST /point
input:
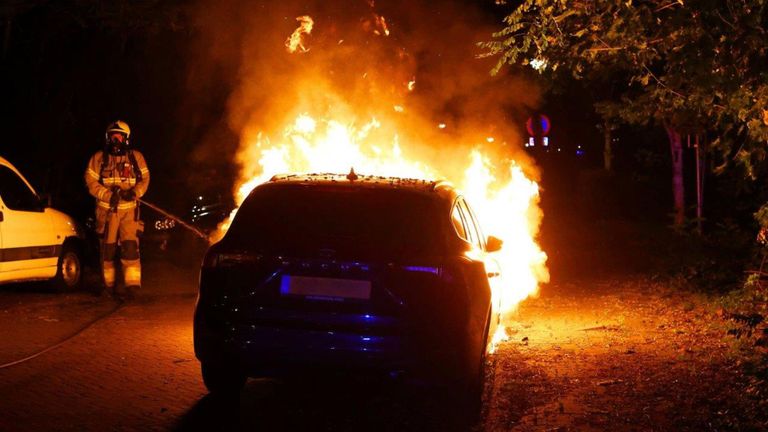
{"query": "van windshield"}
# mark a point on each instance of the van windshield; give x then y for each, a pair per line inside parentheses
(352, 222)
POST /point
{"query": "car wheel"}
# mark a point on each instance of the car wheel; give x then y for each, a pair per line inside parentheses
(69, 270)
(222, 380)
(472, 384)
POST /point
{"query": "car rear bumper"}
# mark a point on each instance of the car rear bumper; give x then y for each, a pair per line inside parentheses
(278, 351)
(271, 351)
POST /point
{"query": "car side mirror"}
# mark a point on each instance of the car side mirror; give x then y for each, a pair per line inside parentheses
(493, 244)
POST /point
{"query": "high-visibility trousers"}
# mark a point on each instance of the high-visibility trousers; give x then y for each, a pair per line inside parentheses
(122, 225)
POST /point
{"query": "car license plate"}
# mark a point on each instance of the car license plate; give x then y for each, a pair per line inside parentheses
(328, 289)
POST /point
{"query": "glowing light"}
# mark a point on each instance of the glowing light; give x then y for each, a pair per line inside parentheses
(538, 64)
(441, 126)
(498, 337)
(411, 85)
(305, 124)
(490, 139)
(381, 25)
(399, 108)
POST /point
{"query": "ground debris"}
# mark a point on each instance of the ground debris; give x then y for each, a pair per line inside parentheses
(688, 377)
(603, 328)
(609, 382)
(598, 411)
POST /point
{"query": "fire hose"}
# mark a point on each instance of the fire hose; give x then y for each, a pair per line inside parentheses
(175, 218)
(83, 328)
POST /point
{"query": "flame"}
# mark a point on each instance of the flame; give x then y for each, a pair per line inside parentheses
(331, 137)
(296, 40)
(504, 199)
(381, 25)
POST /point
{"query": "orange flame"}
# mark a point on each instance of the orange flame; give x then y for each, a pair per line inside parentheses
(381, 25)
(296, 40)
(336, 138)
(503, 197)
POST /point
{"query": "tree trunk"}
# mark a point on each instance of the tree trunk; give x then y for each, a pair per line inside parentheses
(699, 186)
(607, 150)
(678, 188)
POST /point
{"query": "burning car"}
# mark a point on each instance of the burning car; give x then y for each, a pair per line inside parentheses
(348, 272)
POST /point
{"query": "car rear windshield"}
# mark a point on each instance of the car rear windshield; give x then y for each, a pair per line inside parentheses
(352, 222)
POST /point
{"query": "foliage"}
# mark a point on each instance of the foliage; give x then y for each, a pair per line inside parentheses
(698, 66)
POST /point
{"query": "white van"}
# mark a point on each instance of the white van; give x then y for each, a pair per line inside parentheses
(36, 242)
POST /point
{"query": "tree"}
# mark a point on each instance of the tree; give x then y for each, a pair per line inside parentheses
(692, 68)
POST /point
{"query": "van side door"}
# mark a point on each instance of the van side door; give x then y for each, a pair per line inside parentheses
(27, 235)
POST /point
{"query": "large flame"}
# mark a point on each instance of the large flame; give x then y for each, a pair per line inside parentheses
(504, 199)
(325, 133)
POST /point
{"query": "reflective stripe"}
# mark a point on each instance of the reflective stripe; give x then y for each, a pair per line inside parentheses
(132, 273)
(124, 205)
(93, 173)
(144, 170)
(114, 181)
(109, 273)
(29, 253)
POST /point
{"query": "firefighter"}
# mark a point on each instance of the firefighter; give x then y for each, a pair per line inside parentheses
(117, 176)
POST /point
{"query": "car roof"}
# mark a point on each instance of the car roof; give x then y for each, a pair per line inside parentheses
(352, 180)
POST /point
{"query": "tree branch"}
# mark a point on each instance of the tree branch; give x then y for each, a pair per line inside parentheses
(668, 5)
(725, 20)
(606, 49)
(655, 78)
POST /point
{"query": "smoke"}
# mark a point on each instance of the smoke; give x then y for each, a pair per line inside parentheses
(411, 65)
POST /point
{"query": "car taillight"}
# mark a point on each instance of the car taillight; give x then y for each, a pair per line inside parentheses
(422, 269)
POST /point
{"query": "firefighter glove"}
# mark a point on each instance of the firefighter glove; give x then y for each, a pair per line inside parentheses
(128, 195)
(114, 199)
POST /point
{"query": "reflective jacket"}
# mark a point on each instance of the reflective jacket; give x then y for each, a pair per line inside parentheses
(116, 171)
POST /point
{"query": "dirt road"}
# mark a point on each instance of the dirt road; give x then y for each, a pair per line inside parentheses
(619, 355)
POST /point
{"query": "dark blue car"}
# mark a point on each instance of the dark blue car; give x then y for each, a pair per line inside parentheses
(350, 273)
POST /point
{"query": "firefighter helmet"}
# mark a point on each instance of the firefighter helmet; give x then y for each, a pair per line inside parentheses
(119, 126)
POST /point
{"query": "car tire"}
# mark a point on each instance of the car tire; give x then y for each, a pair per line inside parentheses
(69, 269)
(470, 390)
(222, 379)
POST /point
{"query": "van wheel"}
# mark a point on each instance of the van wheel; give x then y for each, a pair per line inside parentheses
(69, 271)
(222, 380)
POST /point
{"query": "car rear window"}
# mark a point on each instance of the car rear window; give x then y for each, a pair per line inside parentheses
(353, 222)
